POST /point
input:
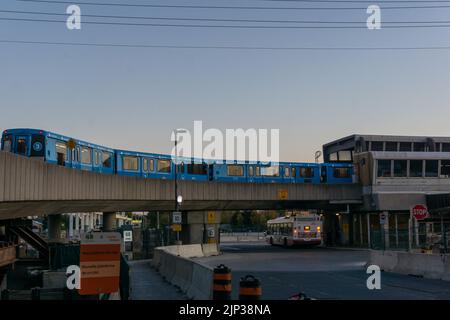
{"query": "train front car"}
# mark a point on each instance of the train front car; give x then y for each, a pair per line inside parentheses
(336, 173)
(59, 150)
(25, 142)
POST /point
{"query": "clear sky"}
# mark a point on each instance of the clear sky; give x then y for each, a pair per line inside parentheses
(133, 97)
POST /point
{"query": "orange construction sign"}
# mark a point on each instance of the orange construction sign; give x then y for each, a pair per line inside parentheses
(99, 263)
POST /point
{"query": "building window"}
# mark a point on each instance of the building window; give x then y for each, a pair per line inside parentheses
(415, 168)
(272, 171)
(384, 168)
(86, 155)
(445, 168)
(400, 168)
(345, 155)
(431, 168)
(306, 172)
(377, 146)
(235, 170)
(106, 159)
(446, 147)
(333, 156)
(130, 163)
(419, 146)
(391, 146)
(405, 146)
(164, 166)
(341, 172)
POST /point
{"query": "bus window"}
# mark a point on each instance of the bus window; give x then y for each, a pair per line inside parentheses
(106, 159)
(235, 170)
(7, 143)
(86, 155)
(130, 163)
(164, 166)
(21, 145)
(61, 153)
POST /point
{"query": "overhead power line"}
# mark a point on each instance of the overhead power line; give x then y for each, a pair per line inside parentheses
(215, 19)
(181, 6)
(363, 26)
(146, 46)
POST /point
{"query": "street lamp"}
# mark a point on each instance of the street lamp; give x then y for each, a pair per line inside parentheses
(178, 198)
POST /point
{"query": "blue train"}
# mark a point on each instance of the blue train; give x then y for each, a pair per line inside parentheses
(65, 151)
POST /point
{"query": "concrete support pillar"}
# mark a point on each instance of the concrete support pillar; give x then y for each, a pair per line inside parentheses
(71, 224)
(54, 228)
(109, 221)
(200, 227)
(77, 225)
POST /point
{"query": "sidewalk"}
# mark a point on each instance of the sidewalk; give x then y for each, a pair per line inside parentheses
(147, 284)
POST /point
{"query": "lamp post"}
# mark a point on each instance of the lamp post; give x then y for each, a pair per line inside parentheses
(178, 198)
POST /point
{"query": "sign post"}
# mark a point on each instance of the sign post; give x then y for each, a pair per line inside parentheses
(418, 212)
(176, 223)
(99, 263)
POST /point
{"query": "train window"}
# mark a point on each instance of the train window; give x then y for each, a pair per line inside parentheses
(272, 171)
(250, 171)
(415, 168)
(96, 157)
(286, 172)
(197, 168)
(391, 146)
(86, 155)
(145, 164)
(130, 163)
(61, 153)
(106, 159)
(377, 146)
(258, 171)
(341, 172)
(21, 146)
(334, 156)
(294, 172)
(152, 165)
(384, 168)
(235, 170)
(445, 168)
(306, 172)
(7, 143)
(419, 146)
(405, 146)
(431, 168)
(400, 168)
(164, 166)
(446, 147)
(74, 155)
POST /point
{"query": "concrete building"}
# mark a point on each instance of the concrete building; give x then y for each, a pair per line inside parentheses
(395, 174)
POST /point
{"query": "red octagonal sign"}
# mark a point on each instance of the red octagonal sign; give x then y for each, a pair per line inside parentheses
(419, 211)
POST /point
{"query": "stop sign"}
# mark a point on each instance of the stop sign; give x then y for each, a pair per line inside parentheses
(419, 211)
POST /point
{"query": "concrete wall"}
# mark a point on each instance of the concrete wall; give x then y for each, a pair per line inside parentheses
(432, 266)
(30, 186)
(191, 277)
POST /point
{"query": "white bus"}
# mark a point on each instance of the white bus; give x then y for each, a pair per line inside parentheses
(300, 229)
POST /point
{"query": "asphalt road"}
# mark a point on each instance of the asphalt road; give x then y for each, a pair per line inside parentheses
(319, 273)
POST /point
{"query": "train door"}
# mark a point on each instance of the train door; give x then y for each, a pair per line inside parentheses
(22, 145)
